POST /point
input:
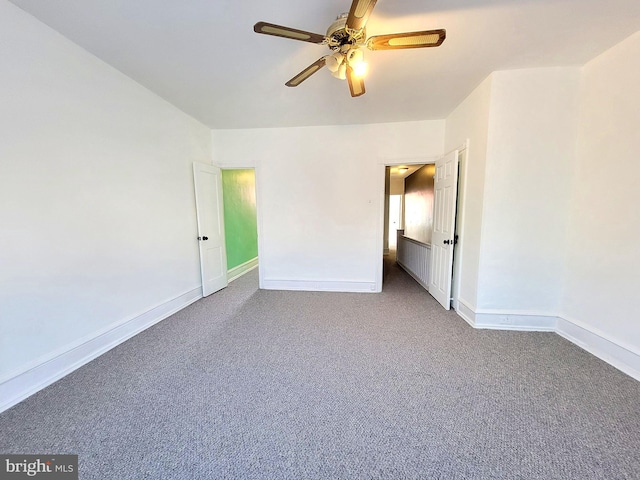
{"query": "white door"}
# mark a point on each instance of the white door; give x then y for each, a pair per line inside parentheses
(444, 220)
(213, 254)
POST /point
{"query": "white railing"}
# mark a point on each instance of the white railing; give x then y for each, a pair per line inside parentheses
(414, 257)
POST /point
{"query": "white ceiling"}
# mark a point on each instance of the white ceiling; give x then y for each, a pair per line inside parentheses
(203, 56)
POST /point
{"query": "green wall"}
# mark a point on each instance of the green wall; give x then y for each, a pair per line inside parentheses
(240, 224)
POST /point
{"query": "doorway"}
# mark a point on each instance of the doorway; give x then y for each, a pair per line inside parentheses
(226, 211)
(240, 220)
(428, 214)
(397, 216)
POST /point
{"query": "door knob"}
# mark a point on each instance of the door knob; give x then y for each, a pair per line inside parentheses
(205, 238)
(447, 242)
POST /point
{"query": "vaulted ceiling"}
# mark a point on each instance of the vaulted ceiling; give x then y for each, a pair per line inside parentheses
(203, 56)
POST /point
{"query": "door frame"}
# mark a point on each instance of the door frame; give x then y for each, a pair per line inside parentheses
(463, 153)
(459, 221)
(260, 228)
(381, 171)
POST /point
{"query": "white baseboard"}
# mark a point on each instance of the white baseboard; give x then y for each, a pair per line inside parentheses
(623, 357)
(237, 272)
(466, 311)
(503, 321)
(17, 386)
(319, 285)
(521, 320)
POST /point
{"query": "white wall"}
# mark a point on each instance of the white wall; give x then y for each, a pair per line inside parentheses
(320, 193)
(549, 229)
(532, 131)
(603, 261)
(470, 121)
(96, 195)
(521, 125)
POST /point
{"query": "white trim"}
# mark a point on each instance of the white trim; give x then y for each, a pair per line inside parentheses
(412, 160)
(320, 285)
(465, 310)
(600, 333)
(615, 353)
(620, 355)
(523, 313)
(237, 272)
(461, 148)
(458, 249)
(506, 319)
(529, 323)
(381, 180)
(413, 275)
(414, 257)
(259, 215)
(41, 373)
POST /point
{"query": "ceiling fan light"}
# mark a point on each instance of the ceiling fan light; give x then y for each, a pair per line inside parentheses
(360, 69)
(334, 61)
(355, 59)
(341, 73)
(355, 56)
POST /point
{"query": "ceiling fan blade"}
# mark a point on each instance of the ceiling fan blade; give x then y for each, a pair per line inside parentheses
(427, 38)
(287, 32)
(306, 73)
(356, 84)
(359, 13)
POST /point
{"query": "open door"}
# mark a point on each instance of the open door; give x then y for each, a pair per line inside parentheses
(213, 255)
(444, 220)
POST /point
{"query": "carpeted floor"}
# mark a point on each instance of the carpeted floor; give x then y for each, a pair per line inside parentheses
(265, 384)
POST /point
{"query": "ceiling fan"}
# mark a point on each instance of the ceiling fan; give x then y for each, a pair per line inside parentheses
(346, 37)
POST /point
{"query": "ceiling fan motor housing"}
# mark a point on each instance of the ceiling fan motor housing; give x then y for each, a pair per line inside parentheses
(339, 39)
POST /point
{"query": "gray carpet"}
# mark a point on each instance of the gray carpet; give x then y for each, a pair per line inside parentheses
(265, 384)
